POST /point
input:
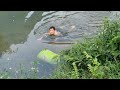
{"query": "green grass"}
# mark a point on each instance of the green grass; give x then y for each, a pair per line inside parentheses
(95, 58)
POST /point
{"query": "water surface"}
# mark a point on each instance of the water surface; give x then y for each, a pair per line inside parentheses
(19, 31)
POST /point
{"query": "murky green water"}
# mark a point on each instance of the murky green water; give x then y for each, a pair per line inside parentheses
(18, 36)
(14, 29)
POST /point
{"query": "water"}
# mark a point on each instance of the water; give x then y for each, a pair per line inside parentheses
(19, 31)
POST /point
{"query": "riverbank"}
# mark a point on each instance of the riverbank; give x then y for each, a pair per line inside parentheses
(95, 58)
(25, 52)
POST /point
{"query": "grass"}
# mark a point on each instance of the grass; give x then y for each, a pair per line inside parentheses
(95, 58)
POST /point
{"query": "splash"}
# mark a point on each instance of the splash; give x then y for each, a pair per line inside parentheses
(29, 15)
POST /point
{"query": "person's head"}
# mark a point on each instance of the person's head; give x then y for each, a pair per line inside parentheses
(52, 30)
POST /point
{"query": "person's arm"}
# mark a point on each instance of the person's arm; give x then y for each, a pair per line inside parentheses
(72, 29)
(44, 35)
(57, 33)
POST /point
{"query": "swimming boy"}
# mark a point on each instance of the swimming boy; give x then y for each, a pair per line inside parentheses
(54, 32)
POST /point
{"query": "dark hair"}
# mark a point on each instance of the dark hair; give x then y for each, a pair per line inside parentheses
(52, 27)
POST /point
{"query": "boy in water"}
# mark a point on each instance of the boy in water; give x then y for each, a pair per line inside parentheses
(54, 32)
